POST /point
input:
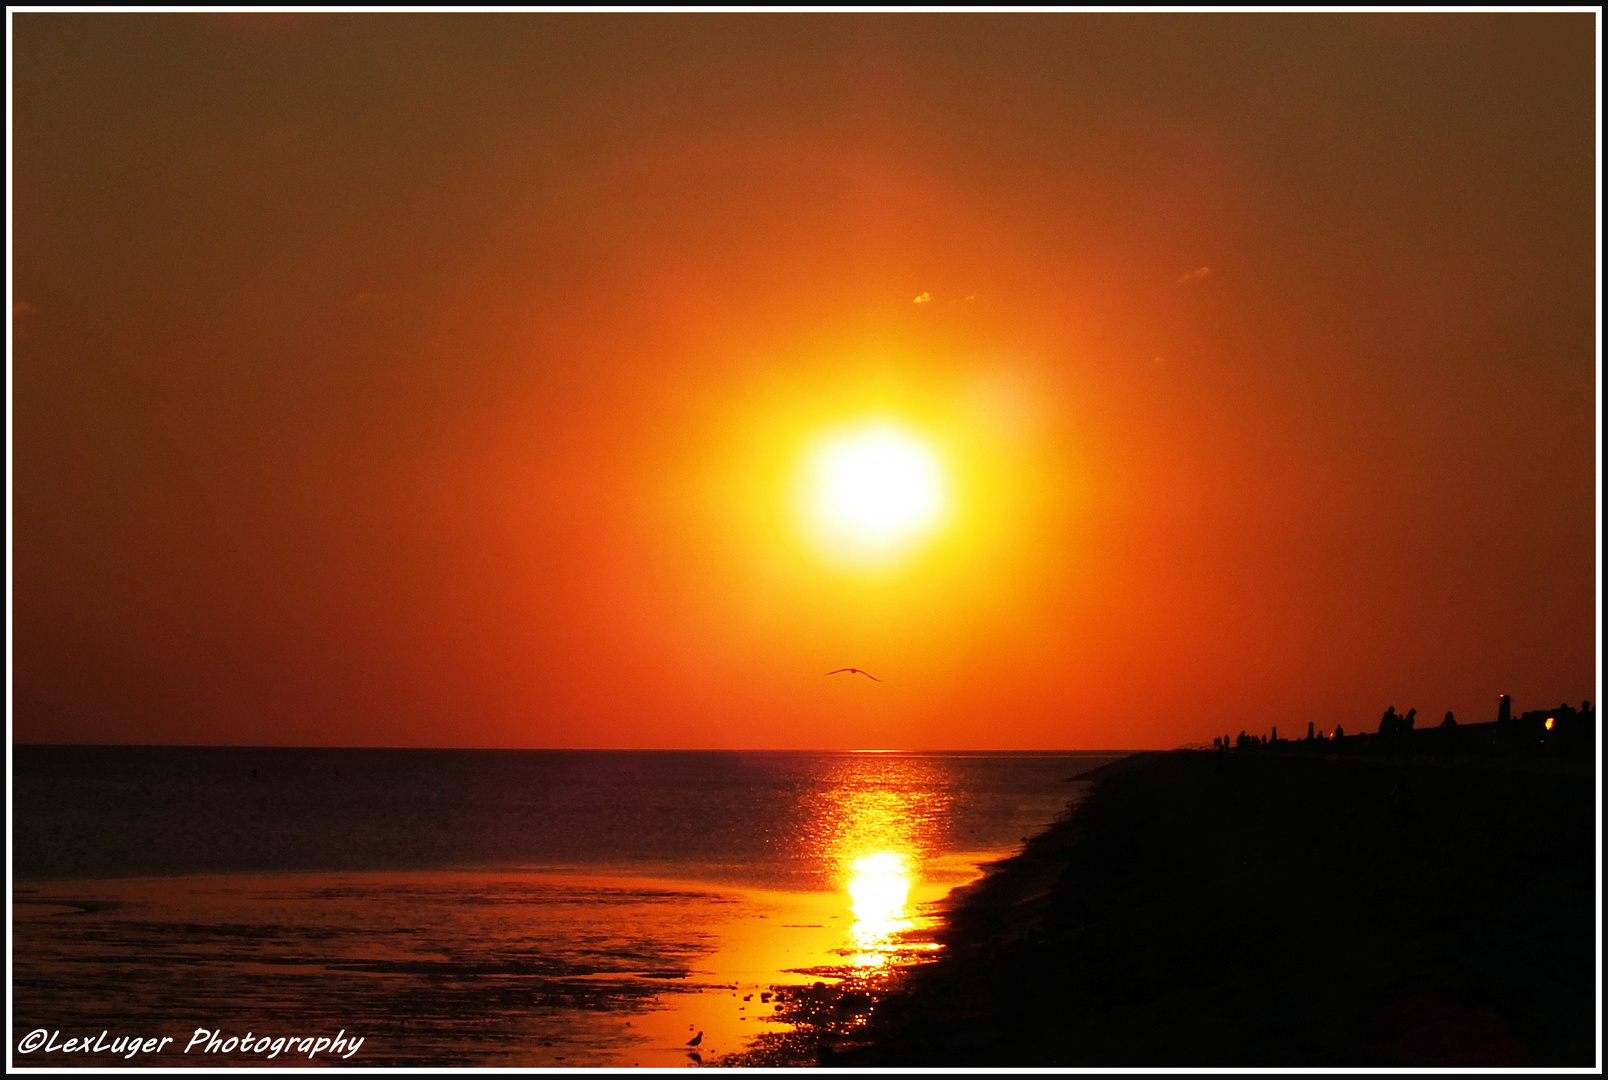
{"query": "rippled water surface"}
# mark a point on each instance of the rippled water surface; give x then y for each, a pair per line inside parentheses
(487, 907)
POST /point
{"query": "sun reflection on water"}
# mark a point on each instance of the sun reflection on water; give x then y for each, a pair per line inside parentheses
(879, 888)
(877, 829)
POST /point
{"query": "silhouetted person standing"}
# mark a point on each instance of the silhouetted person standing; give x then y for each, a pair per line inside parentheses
(1448, 735)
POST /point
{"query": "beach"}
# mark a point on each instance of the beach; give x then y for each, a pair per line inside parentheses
(1264, 910)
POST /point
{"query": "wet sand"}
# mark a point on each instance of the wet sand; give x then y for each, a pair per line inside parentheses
(1206, 909)
(444, 969)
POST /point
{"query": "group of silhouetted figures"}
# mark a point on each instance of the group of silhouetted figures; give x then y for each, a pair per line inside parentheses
(1245, 741)
(1393, 723)
(1563, 730)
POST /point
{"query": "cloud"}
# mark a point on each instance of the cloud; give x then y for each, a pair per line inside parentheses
(1196, 274)
(924, 298)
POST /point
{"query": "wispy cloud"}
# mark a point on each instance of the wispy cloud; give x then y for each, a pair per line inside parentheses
(924, 298)
(1196, 274)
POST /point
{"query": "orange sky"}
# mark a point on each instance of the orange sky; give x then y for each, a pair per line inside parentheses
(438, 380)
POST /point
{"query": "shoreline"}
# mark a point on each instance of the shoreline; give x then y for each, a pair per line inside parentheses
(827, 1017)
(1253, 909)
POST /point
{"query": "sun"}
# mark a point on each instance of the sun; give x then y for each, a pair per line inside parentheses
(871, 490)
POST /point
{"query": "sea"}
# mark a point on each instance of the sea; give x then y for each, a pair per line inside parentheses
(495, 908)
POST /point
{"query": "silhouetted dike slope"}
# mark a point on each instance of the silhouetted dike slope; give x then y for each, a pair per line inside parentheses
(1266, 909)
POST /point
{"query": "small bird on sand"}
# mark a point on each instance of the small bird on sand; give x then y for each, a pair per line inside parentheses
(696, 1039)
(855, 671)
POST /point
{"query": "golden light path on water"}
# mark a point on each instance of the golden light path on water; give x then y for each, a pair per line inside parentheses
(881, 827)
(876, 829)
(880, 890)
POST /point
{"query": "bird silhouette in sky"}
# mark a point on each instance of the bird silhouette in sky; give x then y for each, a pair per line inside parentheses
(855, 671)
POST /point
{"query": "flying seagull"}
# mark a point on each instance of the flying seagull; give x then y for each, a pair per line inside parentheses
(855, 671)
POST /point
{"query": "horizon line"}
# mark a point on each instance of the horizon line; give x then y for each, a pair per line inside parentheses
(601, 749)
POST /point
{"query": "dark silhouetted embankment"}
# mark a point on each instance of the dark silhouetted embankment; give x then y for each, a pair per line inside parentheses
(1258, 909)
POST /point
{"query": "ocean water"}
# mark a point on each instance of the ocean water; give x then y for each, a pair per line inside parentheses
(554, 908)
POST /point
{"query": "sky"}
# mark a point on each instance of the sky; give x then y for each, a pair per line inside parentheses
(447, 380)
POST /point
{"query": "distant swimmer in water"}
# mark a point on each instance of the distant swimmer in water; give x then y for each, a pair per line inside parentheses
(855, 671)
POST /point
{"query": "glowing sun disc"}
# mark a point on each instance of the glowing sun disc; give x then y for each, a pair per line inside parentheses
(873, 488)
